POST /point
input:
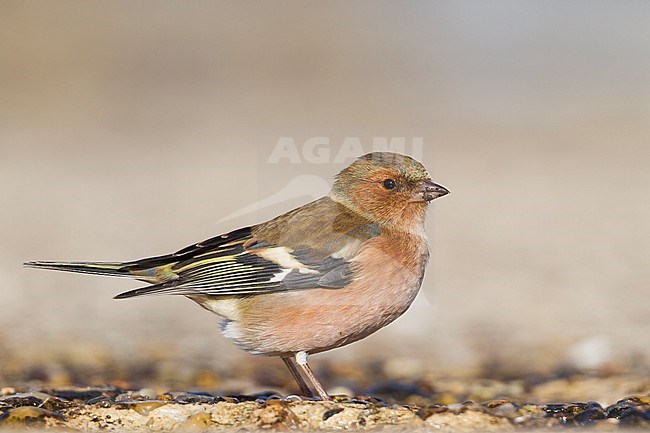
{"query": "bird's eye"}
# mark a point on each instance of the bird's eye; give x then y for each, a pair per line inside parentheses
(390, 184)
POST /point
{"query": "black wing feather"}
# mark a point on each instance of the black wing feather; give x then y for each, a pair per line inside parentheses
(189, 252)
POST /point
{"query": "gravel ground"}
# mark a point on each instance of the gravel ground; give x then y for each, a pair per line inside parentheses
(84, 409)
(415, 400)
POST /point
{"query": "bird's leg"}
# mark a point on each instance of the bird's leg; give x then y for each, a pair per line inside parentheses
(301, 359)
(304, 389)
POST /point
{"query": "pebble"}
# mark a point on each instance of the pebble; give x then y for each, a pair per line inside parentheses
(130, 397)
(589, 416)
(27, 415)
(340, 392)
(7, 390)
(187, 398)
(426, 412)
(330, 413)
(101, 401)
(507, 410)
(148, 392)
(146, 407)
(294, 397)
(635, 417)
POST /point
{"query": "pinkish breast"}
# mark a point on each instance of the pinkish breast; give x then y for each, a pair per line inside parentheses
(314, 320)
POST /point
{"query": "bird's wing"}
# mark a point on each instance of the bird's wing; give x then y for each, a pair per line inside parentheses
(237, 264)
(310, 247)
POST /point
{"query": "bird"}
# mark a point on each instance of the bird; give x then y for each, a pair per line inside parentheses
(318, 277)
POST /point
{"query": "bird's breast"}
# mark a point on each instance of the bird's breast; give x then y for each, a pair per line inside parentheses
(388, 275)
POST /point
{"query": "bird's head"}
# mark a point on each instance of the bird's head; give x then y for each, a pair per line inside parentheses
(388, 188)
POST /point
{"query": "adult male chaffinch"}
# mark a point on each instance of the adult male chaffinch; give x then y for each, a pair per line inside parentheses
(318, 277)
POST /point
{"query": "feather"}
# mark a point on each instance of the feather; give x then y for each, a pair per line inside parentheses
(315, 253)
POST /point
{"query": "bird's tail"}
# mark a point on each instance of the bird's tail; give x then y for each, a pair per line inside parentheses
(114, 269)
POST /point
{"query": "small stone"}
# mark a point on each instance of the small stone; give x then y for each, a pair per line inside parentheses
(294, 397)
(507, 410)
(187, 398)
(496, 403)
(620, 408)
(330, 413)
(101, 401)
(340, 391)
(130, 397)
(226, 399)
(7, 390)
(145, 407)
(368, 400)
(589, 416)
(635, 417)
(27, 415)
(148, 392)
(426, 412)
(552, 409)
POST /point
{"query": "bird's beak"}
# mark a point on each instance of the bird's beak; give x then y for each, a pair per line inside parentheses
(428, 190)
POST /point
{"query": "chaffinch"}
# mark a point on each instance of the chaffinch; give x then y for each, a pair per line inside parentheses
(318, 277)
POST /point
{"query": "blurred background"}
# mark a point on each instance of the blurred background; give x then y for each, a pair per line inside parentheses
(130, 129)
